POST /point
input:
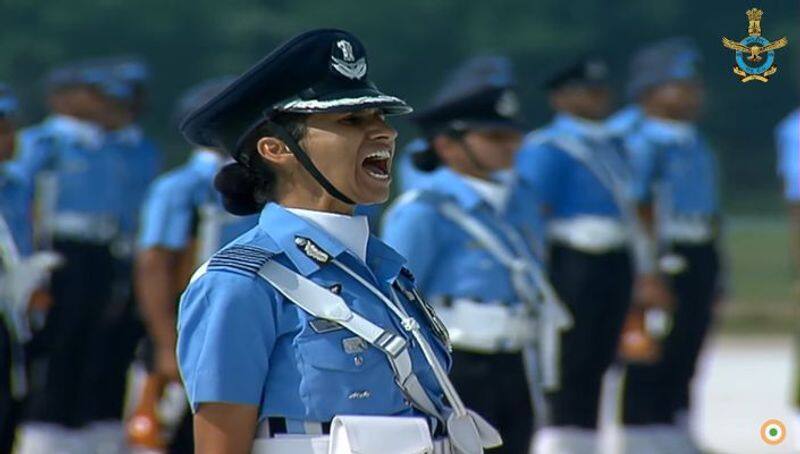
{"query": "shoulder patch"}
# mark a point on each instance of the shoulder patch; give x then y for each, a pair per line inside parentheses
(240, 258)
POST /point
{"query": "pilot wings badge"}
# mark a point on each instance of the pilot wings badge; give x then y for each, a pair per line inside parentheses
(755, 55)
(347, 65)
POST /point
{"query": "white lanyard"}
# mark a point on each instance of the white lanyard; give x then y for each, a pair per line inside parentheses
(411, 325)
(469, 433)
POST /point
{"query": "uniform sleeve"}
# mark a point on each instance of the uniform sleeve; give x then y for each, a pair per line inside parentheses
(34, 153)
(226, 334)
(166, 217)
(643, 158)
(410, 228)
(539, 168)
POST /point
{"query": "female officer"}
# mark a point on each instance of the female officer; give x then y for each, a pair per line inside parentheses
(467, 224)
(307, 317)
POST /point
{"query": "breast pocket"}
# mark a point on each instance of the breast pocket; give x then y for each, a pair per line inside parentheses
(342, 374)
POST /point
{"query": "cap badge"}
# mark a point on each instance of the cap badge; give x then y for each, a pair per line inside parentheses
(507, 105)
(348, 66)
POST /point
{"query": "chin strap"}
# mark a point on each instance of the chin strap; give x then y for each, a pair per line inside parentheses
(298, 152)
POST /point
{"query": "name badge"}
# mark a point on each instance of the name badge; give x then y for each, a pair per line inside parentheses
(321, 326)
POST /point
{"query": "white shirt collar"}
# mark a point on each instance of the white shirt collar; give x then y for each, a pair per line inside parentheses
(88, 134)
(671, 130)
(495, 194)
(597, 130)
(351, 231)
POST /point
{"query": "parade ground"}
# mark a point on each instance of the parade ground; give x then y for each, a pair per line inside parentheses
(744, 381)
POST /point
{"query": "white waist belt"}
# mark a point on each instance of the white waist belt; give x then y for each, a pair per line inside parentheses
(84, 227)
(320, 444)
(487, 327)
(359, 434)
(687, 230)
(590, 234)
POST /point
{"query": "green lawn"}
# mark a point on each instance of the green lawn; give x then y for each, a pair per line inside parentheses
(758, 253)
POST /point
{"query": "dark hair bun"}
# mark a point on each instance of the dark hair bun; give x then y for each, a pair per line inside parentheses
(237, 186)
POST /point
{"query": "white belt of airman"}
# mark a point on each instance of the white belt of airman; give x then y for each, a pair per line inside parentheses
(613, 174)
(487, 327)
(360, 434)
(553, 317)
(321, 444)
(589, 234)
(692, 230)
(84, 227)
(468, 432)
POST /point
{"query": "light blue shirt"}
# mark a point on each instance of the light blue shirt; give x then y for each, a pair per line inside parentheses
(241, 341)
(170, 211)
(565, 185)
(15, 206)
(673, 160)
(95, 174)
(447, 261)
(144, 162)
(787, 138)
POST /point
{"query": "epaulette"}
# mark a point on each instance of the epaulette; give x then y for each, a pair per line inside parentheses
(405, 272)
(243, 259)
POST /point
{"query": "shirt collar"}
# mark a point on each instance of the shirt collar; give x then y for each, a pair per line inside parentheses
(86, 133)
(669, 130)
(591, 129)
(493, 193)
(285, 227)
(449, 182)
(351, 231)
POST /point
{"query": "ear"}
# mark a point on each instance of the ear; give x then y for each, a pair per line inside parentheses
(445, 147)
(273, 150)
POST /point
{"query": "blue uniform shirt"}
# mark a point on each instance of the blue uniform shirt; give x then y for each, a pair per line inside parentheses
(15, 206)
(563, 183)
(143, 160)
(675, 158)
(241, 341)
(170, 210)
(787, 138)
(94, 175)
(447, 260)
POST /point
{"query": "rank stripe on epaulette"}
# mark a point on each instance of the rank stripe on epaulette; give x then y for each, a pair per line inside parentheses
(249, 259)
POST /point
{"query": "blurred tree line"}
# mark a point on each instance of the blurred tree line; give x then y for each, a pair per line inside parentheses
(412, 44)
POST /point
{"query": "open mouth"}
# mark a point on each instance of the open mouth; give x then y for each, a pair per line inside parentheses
(376, 164)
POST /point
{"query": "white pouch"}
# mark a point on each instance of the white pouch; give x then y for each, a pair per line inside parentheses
(380, 435)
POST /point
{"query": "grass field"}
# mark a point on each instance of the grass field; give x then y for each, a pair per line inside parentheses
(761, 298)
